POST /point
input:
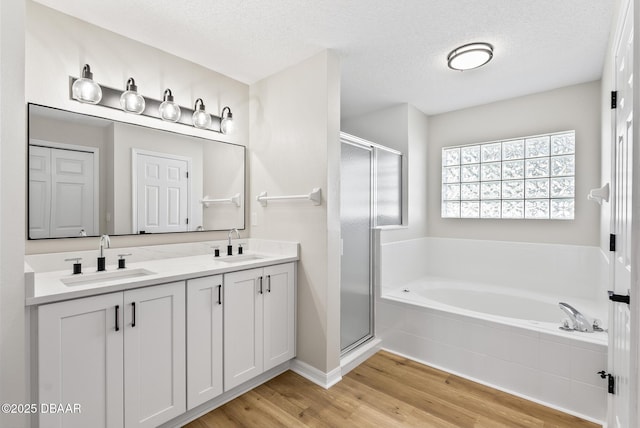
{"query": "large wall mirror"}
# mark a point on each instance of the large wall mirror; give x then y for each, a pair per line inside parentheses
(90, 176)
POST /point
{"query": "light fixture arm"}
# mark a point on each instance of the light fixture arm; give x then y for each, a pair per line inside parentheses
(202, 107)
(131, 85)
(86, 72)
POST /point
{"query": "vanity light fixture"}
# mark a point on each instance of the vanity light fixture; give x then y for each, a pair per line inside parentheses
(201, 119)
(169, 110)
(130, 100)
(226, 121)
(470, 56)
(85, 89)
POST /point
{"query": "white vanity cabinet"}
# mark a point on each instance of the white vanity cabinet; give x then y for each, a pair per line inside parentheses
(120, 356)
(204, 339)
(259, 321)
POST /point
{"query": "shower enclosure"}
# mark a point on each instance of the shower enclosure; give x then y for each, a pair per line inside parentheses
(370, 196)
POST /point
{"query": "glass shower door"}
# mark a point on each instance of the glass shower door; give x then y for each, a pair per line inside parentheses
(356, 291)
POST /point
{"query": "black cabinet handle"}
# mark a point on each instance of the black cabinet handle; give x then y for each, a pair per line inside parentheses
(219, 294)
(269, 283)
(117, 316)
(133, 311)
(260, 285)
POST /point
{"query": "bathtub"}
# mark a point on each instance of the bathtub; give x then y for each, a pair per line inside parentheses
(503, 305)
(507, 337)
(503, 339)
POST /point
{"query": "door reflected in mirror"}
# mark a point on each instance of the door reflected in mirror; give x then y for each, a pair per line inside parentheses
(90, 176)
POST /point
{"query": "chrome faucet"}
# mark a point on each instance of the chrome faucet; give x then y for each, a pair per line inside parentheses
(104, 240)
(229, 246)
(579, 321)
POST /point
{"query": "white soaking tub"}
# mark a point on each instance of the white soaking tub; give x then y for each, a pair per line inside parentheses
(507, 337)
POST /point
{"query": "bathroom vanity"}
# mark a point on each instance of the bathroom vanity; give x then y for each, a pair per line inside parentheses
(173, 335)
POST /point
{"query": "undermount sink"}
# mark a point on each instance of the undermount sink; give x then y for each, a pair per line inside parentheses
(240, 258)
(106, 276)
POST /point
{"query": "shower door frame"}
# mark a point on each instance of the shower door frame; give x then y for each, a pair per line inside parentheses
(368, 146)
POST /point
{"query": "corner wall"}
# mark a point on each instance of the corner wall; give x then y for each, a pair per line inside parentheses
(574, 107)
(13, 315)
(294, 147)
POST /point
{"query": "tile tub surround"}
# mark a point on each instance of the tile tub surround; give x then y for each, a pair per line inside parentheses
(568, 270)
(556, 371)
(171, 262)
(552, 369)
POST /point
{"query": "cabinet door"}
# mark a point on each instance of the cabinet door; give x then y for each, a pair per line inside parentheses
(204, 339)
(154, 354)
(80, 361)
(279, 314)
(242, 326)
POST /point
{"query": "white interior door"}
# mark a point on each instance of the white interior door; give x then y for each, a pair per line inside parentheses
(62, 197)
(622, 363)
(162, 185)
(39, 192)
(72, 203)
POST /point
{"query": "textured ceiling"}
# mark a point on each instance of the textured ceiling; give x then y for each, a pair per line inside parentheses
(392, 51)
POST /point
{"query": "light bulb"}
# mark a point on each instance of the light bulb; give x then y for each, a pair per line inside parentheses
(226, 121)
(201, 119)
(130, 100)
(85, 89)
(169, 110)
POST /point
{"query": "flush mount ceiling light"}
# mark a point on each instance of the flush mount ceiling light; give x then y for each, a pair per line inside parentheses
(169, 110)
(226, 121)
(85, 89)
(201, 119)
(470, 56)
(130, 100)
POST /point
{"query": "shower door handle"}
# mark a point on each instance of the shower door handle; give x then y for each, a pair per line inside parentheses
(621, 298)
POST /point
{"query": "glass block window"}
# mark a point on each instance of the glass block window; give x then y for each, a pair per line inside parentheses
(522, 178)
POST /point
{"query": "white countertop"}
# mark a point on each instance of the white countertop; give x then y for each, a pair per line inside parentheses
(47, 286)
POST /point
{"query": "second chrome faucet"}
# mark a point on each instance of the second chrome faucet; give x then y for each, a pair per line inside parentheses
(104, 240)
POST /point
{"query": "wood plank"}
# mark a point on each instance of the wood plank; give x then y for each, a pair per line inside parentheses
(386, 390)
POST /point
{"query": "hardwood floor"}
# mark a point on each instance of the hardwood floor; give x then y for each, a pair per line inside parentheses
(385, 391)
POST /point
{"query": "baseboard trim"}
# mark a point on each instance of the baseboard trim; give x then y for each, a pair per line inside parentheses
(320, 378)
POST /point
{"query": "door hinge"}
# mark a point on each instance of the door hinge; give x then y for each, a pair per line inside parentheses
(187, 174)
(611, 381)
(187, 221)
(612, 242)
(620, 298)
(614, 99)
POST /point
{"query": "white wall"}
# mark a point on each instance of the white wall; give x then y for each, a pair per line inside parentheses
(58, 45)
(294, 148)
(13, 325)
(404, 128)
(574, 107)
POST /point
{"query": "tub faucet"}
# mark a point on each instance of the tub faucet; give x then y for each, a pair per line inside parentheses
(579, 321)
(229, 246)
(104, 240)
